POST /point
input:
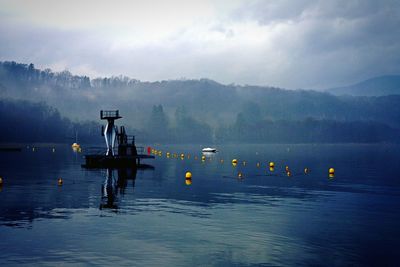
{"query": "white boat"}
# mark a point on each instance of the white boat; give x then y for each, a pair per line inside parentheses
(209, 149)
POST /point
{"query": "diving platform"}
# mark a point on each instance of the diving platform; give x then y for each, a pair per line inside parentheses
(127, 154)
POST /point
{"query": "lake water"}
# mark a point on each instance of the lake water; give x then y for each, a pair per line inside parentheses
(153, 218)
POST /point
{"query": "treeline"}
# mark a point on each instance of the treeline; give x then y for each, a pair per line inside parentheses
(181, 129)
(191, 111)
(23, 121)
(22, 73)
(249, 127)
(206, 100)
(307, 131)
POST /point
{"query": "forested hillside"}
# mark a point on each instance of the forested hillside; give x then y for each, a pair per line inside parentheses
(205, 111)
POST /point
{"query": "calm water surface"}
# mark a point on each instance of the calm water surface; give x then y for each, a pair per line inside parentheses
(153, 218)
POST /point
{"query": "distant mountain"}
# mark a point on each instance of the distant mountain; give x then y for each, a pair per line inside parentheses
(378, 86)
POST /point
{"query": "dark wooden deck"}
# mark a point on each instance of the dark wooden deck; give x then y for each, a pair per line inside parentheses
(103, 161)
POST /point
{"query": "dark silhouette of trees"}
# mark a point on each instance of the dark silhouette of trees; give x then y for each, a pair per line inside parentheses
(25, 121)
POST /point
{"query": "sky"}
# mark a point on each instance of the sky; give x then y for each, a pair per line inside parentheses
(310, 44)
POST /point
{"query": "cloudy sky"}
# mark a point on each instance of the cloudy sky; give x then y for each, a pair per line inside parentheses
(286, 43)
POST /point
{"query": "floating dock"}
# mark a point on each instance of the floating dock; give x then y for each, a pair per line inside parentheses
(127, 153)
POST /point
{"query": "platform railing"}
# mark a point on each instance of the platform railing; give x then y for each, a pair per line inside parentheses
(105, 114)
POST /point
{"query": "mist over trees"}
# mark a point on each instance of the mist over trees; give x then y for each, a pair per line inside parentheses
(191, 111)
(24, 121)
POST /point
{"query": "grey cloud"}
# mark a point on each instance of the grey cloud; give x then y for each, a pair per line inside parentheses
(272, 11)
(332, 42)
(318, 44)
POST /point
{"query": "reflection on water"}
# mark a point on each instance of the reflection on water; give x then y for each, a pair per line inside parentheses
(113, 186)
(156, 217)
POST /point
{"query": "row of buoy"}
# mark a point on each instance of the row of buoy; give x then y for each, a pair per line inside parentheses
(331, 171)
(188, 175)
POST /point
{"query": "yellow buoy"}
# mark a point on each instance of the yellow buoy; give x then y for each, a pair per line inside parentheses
(240, 175)
(286, 168)
(272, 165)
(331, 172)
(288, 173)
(234, 162)
(258, 164)
(1, 181)
(271, 169)
(203, 158)
(60, 181)
(182, 156)
(75, 145)
(306, 170)
(188, 181)
(188, 175)
(168, 154)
